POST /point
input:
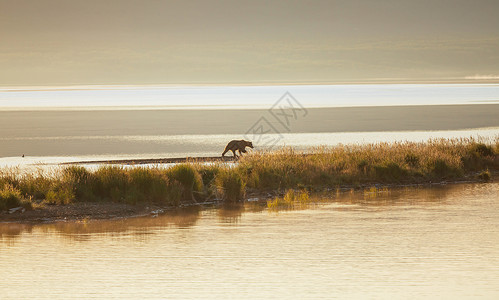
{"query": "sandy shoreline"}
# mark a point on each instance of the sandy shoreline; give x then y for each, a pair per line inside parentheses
(145, 161)
(164, 133)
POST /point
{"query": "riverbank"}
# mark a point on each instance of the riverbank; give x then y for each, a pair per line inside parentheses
(149, 161)
(273, 200)
(74, 192)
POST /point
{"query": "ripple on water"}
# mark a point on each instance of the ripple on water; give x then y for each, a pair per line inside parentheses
(436, 242)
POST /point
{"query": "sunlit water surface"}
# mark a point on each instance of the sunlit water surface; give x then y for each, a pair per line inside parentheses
(226, 97)
(439, 243)
(59, 124)
(212, 145)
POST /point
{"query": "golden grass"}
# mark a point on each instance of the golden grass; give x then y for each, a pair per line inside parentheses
(290, 200)
(284, 169)
(374, 163)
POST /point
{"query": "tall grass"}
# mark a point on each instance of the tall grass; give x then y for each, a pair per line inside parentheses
(189, 178)
(10, 197)
(283, 169)
(375, 163)
(230, 185)
(290, 200)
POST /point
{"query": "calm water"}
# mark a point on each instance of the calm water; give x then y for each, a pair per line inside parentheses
(215, 97)
(153, 122)
(439, 243)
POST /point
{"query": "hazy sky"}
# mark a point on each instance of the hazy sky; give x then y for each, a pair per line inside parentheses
(58, 42)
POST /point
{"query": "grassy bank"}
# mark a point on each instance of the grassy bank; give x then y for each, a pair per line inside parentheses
(284, 169)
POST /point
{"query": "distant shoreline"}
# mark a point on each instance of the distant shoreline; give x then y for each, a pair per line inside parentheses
(206, 108)
(78, 87)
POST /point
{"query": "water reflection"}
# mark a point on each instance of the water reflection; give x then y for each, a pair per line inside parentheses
(231, 213)
(83, 230)
(9, 231)
(397, 196)
(367, 199)
(388, 244)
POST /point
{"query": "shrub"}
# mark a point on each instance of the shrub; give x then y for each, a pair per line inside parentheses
(412, 160)
(111, 183)
(481, 150)
(11, 197)
(8, 177)
(174, 193)
(266, 177)
(484, 176)
(81, 181)
(208, 174)
(36, 187)
(60, 193)
(290, 200)
(292, 197)
(441, 169)
(230, 185)
(363, 166)
(389, 172)
(478, 156)
(279, 203)
(189, 178)
(147, 185)
(321, 178)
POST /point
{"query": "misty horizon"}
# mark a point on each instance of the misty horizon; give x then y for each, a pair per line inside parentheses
(54, 42)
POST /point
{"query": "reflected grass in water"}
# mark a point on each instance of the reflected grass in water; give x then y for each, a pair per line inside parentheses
(316, 169)
(83, 230)
(411, 241)
(291, 200)
(347, 200)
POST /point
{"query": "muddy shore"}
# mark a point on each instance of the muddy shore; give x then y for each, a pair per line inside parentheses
(75, 212)
(145, 161)
(108, 211)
